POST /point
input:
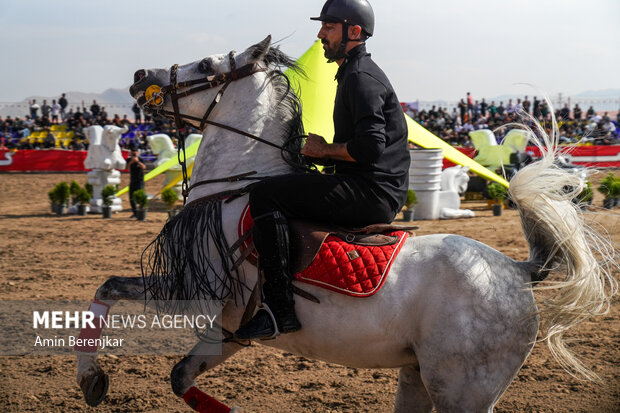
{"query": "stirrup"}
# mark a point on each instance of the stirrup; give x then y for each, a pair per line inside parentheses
(276, 333)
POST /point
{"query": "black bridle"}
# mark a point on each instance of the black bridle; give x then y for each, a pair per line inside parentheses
(156, 100)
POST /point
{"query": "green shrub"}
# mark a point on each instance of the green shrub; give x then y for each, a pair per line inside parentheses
(615, 189)
(89, 189)
(62, 193)
(107, 194)
(412, 199)
(607, 185)
(83, 197)
(74, 189)
(52, 194)
(586, 195)
(140, 198)
(497, 192)
(170, 197)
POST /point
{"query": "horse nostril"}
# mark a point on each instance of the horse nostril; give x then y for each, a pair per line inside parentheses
(139, 75)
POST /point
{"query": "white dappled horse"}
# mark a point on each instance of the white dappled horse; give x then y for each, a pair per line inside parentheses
(457, 317)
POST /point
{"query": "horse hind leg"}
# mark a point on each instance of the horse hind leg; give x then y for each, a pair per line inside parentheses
(463, 378)
(198, 362)
(412, 396)
(90, 376)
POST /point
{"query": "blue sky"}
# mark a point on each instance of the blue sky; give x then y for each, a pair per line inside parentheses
(430, 50)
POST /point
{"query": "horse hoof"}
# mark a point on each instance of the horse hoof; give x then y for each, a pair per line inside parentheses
(95, 388)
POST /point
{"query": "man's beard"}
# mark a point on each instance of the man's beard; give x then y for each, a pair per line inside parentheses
(331, 53)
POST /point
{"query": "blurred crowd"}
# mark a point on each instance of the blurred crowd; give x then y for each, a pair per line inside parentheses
(60, 126)
(470, 114)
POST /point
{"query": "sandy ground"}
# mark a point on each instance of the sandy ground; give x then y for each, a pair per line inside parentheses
(49, 257)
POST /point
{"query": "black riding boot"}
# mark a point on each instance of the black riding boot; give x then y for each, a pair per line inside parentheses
(270, 236)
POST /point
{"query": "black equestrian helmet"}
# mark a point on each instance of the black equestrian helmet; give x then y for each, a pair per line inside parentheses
(353, 12)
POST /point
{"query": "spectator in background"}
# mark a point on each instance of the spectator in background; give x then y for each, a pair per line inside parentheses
(45, 109)
(564, 112)
(34, 109)
(76, 145)
(50, 140)
(95, 109)
(501, 109)
(510, 108)
(526, 105)
(577, 112)
(518, 106)
(470, 105)
(136, 113)
(63, 106)
(55, 111)
(590, 112)
(462, 109)
(86, 115)
(103, 115)
(492, 110)
(136, 167)
(536, 108)
(483, 107)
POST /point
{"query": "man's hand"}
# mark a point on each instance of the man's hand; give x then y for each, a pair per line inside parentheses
(317, 147)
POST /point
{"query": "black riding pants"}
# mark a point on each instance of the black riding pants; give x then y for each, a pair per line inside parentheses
(341, 200)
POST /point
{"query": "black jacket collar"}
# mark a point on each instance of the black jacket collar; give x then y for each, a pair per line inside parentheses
(355, 53)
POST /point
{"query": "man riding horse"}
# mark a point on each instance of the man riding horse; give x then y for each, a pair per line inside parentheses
(370, 155)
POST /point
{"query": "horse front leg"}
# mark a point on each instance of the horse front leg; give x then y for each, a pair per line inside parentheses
(184, 372)
(90, 377)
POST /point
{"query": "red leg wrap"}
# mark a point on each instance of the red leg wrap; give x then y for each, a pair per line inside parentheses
(99, 309)
(202, 402)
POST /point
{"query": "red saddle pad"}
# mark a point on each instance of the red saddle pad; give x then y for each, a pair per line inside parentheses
(354, 270)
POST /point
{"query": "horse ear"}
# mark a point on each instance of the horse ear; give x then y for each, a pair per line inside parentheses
(259, 50)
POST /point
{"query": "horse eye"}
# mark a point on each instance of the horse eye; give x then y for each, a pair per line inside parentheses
(206, 66)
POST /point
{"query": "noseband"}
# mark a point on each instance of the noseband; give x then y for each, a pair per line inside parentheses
(155, 97)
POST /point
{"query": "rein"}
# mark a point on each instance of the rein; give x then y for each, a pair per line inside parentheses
(156, 99)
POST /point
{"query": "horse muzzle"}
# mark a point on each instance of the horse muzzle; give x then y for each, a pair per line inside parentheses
(147, 90)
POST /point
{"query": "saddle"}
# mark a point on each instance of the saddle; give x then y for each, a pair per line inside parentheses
(306, 239)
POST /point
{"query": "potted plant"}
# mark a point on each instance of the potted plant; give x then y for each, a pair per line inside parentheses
(89, 188)
(53, 199)
(107, 194)
(584, 199)
(498, 193)
(74, 189)
(142, 201)
(62, 198)
(170, 197)
(609, 188)
(409, 205)
(83, 199)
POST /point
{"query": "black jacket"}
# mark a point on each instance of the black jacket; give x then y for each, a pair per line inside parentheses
(369, 119)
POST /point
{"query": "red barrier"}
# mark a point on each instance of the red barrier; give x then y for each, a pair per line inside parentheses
(59, 160)
(604, 156)
(42, 160)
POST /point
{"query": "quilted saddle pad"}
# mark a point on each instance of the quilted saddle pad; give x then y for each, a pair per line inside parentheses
(355, 270)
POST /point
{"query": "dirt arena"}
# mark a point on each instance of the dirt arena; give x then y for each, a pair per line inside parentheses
(44, 257)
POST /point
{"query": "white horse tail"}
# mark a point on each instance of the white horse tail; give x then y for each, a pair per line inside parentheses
(561, 241)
